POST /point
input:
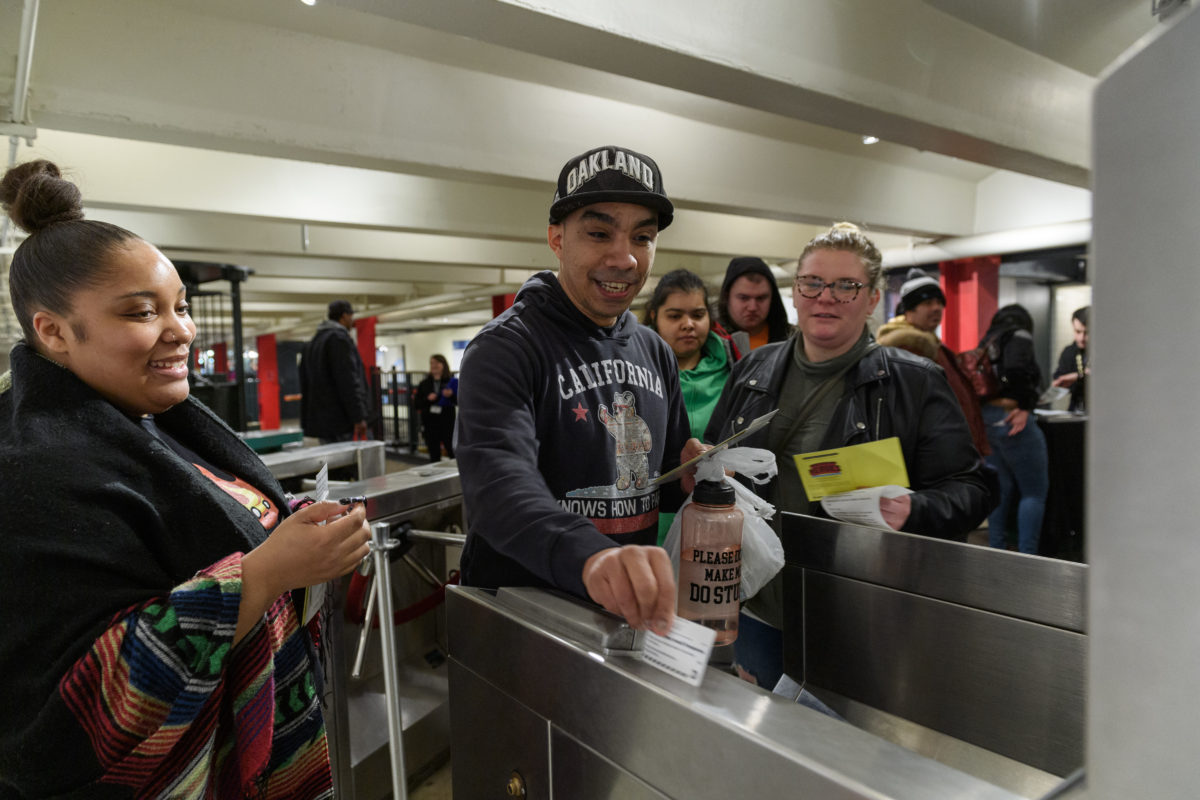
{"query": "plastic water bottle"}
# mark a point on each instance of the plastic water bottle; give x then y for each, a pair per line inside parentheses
(710, 559)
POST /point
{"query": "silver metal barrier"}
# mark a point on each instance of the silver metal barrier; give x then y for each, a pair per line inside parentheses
(547, 704)
(381, 544)
(959, 671)
(368, 457)
(387, 702)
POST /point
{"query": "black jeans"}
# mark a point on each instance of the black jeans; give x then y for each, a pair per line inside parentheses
(439, 431)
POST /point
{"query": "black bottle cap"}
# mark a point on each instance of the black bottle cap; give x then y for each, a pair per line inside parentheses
(712, 493)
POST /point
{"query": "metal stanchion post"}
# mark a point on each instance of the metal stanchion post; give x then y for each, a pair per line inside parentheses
(380, 545)
(361, 653)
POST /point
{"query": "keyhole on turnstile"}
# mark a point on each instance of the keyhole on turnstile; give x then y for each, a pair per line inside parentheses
(516, 785)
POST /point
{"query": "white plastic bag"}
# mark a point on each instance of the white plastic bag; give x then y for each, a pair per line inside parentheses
(762, 552)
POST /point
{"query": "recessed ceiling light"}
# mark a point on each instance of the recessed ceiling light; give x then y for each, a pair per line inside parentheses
(309, 2)
(870, 139)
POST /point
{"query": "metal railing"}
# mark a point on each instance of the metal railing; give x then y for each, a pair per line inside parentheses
(395, 421)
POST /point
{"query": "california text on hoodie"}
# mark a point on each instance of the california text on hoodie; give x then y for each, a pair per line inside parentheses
(550, 404)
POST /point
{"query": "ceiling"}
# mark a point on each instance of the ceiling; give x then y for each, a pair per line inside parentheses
(402, 154)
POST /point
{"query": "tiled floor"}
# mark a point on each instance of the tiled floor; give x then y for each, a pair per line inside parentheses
(435, 787)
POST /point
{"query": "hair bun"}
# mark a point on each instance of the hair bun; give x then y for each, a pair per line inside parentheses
(849, 227)
(36, 195)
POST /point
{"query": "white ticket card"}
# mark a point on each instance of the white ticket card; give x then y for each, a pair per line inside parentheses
(683, 652)
(314, 596)
(322, 488)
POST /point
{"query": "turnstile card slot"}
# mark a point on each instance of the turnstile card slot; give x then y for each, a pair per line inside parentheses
(566, 616)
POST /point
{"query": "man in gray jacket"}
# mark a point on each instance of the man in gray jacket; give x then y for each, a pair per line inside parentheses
(333, 381)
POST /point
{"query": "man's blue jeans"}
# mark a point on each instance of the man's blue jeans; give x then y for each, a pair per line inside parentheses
(758, 650)
(1023, 469)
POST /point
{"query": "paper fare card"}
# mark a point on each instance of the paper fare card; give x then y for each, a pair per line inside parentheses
(314, 596)
(855, 467)
(862, 505)
(683, 652)
(322, 488)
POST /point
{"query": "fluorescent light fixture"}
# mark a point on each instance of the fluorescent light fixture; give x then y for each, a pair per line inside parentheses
(309, 2)
(868, 139)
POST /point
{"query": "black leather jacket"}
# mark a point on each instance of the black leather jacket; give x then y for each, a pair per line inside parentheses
(889, 392)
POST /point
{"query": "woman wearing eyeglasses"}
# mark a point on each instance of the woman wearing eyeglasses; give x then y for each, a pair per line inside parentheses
(834, 386)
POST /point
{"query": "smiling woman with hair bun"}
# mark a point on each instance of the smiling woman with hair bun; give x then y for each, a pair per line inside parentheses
(151, 646)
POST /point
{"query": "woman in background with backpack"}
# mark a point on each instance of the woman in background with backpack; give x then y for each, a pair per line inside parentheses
(1018, 445)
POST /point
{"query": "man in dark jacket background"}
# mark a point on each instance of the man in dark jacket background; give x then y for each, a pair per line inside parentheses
(750, 307)
(333, 381)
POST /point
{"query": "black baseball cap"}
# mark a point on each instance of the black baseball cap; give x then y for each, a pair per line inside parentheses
(611, 175)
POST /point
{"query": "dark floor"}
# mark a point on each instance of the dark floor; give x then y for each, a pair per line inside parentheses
(435, 787)
(400, 460)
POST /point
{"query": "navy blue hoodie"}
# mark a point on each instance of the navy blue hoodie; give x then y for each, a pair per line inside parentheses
(551, 403)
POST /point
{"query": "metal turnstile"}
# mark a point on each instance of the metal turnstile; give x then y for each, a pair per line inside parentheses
(389, 725)
(969, 655)
(550, 697)
(367, 458)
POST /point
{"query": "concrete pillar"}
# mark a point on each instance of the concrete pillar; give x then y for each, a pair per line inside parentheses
(1144, 432)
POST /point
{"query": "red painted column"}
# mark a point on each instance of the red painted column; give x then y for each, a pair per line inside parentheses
(501, 302)
(971, 286)
(221, 360)
(268, 383)
(366, 350)
(365, 328)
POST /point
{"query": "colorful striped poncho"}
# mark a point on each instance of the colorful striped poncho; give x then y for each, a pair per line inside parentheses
(121, 567)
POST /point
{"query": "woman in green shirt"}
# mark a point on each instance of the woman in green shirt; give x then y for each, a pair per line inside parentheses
(678, 312)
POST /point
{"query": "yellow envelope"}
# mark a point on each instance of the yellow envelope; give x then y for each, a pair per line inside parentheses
(855, 467)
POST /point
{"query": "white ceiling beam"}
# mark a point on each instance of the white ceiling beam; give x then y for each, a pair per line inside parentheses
(329, 287)
(900, 69)
(198, 206)
(116, 67)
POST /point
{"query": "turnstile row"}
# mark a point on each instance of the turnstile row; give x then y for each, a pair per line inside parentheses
(959, 668)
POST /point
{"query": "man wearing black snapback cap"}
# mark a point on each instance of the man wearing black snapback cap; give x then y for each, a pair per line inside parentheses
(568, 408)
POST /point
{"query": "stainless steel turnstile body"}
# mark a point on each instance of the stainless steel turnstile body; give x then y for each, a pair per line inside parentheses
(367, 457)
(969, 655)
(571, 710)
(566, 721)
(357, 709)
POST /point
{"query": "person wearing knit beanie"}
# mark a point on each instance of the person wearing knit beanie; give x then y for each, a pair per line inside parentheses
(914, 328)
(919, 288)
